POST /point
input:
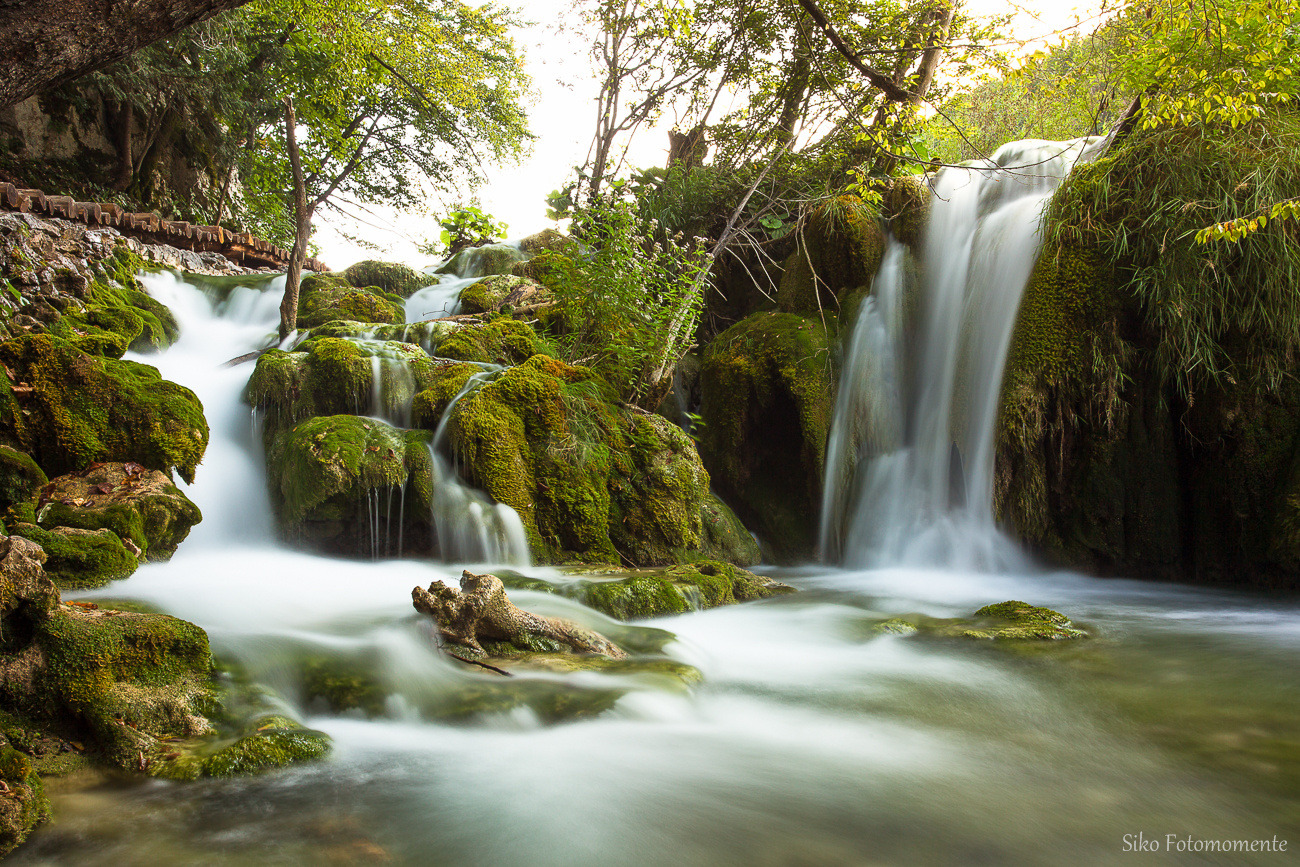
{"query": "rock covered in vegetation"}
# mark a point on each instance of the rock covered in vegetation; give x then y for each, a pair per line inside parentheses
(838, 250)
(325, 297)
(502, 292)
(139, 505)
(66, 409)
(334, 478)
(21, 480)
(905, 206)
(1004, 621)
(501, 341)
(23, 804)
(677, 590)
(335, 375)
(81, 559)
(480, 615)
(390, 277)
(591, 481)
(549, 240)
(484, 261)
(768, 391)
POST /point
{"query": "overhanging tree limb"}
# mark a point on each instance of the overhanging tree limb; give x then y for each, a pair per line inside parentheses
(877, 78)
(44, 43)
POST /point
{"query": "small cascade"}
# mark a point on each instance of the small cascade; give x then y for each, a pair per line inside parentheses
(923, 371)
(469, 525)
(439, 300)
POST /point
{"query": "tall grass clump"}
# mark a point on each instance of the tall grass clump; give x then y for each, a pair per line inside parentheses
(1222, 313)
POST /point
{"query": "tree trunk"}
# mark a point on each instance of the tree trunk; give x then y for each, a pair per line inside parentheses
(124, 127)
(44, 43)
(302, 213)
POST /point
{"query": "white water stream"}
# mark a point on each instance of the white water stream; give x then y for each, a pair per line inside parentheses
(812, 741)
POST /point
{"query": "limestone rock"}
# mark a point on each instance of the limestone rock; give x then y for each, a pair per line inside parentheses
(139, 505)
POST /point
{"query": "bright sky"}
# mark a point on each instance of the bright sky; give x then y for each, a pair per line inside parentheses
(563, 117)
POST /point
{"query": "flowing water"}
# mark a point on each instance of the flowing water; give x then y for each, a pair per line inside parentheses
(813, 739)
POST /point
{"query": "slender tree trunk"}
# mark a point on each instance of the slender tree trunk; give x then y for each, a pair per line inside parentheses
(302, 213)
(124, 127)
(225, 191)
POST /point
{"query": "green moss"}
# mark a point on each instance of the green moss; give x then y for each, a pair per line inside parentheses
(501, 341)
(326, 297)
(723, 535)
(839, 249)
(905, 206)
(489, 293)
(391, 277)
(269, 742)
(429, 405)
(695, 586)
(118, 314)
(1019, 621)
(145, 508)
(81, 559)
(768, 387)
(323, 472)
(23, 805)
(84, 408)
(343, 684)
(484, 261)
(20, 478)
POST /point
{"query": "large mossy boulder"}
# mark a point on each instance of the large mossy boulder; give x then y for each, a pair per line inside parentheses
(767, 389)
(141, 506)
(326, 297)
(502, 292)
(333, 479)
(549, 240)
(1012, 621)
(66, 409)
(677, 590)
(390, 277)
(336, 375)
(839, 249)
(484, 261)
(591, 481)
(500, 341)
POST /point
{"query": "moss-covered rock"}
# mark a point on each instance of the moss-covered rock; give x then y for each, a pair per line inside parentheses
(690, 587)
(81, 559)
(391, 277)
(501, 292)
(141, 506)
(66, 409)
(20, 479)
(23, 804)
(334, 478)
(768, 388)
(839, 249)
(549, 240)
(545, 267)
(501, 341)
(334, 376)
(905, 205)
(724, 537)
(484, 261)
(1004, 621)
(325, 297)
(592, 482)
(262, 744)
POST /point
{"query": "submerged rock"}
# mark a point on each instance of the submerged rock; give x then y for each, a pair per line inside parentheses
(141, 506)
(690, 587)
(66, 409)
(1005, 621)
(767, 388)
(481, 611)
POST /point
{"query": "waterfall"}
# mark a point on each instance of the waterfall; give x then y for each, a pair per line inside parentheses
(909, 475)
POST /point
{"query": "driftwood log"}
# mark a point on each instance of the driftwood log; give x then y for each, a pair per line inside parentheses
(480, 609)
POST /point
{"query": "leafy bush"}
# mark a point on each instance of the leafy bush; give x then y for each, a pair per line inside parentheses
(465, 227)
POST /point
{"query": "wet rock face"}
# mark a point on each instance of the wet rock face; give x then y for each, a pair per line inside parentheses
(767, 397)
(141, 506)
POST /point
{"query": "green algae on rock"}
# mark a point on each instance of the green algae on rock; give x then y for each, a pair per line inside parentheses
(23, 804)
(141, 506)
(66, 409)
(325, 297)
(324, 475)
(81, 559)
(690, 587)
(768, 392)
(390, 277)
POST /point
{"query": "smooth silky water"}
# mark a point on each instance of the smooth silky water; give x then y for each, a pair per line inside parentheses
(812, 740)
